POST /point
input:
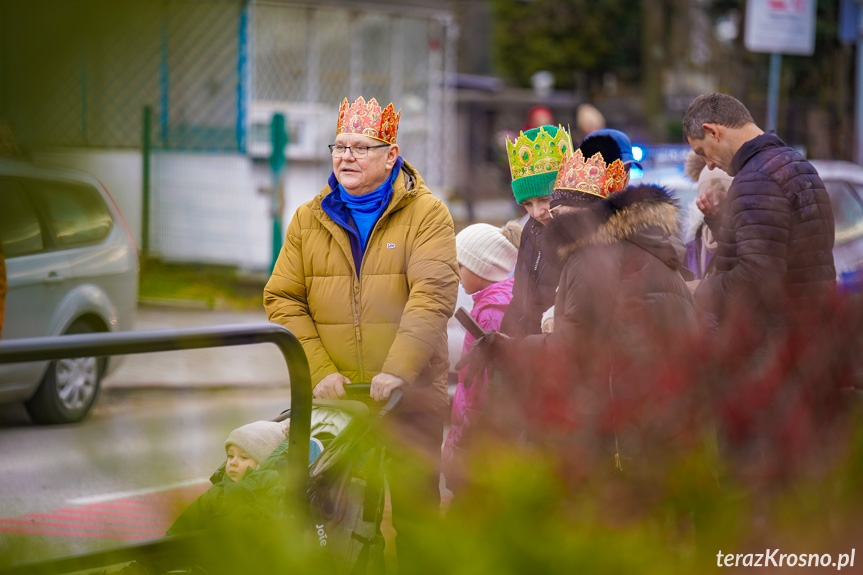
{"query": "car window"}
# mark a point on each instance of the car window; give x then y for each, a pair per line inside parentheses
(20, 232)
(847, 210)
(75, 212)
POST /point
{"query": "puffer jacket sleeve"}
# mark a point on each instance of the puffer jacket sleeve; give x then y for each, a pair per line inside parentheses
(757, 221)
(286, 299)
(432, 278)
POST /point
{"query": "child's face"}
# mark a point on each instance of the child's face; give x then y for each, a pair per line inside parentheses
(238, 462)
(471, 282)
(537, 208)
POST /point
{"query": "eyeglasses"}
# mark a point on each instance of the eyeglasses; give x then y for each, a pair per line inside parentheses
(356, 151)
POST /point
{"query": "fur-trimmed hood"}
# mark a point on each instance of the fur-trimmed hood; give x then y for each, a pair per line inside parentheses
(645, 215)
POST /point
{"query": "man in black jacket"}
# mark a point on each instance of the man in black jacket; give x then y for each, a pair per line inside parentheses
(775, 235)
(772, 354)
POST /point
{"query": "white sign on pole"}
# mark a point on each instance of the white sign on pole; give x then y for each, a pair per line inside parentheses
(780, 26)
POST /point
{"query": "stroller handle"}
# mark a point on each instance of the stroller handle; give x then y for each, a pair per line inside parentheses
(395, 397)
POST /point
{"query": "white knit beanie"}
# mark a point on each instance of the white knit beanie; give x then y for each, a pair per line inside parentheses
(716, 177)
(485, 251)
(259, 439)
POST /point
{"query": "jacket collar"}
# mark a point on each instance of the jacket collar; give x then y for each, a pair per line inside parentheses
(620, 217)
(406, 185)
(333, 183)
(754, 146)
(498, 293)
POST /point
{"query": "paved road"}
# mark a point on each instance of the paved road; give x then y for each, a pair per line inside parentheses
(156, 432)
(123, 474)
(253, 365)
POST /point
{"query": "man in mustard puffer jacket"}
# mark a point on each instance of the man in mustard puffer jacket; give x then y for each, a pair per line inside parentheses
(367, 279)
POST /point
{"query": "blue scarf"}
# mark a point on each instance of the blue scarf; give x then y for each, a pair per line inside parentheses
(367, 208)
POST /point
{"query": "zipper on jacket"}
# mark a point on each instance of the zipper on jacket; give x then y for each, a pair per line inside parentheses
(357, 326)
(535, 283)
(537, 232)
(358, 279)
(358, 276)
(355, 300)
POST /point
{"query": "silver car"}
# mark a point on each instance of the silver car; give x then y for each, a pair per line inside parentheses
(72, 267)
(844, 183)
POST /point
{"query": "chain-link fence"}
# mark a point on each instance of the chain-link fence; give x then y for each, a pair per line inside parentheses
(320, 55)
(78, 74)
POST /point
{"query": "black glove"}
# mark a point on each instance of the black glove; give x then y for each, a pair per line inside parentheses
(485, 353)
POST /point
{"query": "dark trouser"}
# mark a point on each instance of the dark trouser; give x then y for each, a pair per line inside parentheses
(413, 473)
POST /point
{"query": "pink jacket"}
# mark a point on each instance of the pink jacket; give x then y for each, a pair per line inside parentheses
(488, 309)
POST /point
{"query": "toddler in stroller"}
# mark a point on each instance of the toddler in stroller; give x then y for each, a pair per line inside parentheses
(345, 494)
(247, 489)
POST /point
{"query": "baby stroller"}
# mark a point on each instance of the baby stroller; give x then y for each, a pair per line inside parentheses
(346, 482)
(345, 502)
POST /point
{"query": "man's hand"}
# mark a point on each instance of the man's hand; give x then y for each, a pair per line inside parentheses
(383, 385)
(710, 199)
(331, 387)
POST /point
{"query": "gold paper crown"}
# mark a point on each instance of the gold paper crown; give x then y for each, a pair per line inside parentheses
(538, 155)
(367, 119)
(590, 176)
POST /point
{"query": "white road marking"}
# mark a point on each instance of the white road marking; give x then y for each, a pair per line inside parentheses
(137, 493)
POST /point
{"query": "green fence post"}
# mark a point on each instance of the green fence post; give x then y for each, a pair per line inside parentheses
(279, 140)
(145, 181)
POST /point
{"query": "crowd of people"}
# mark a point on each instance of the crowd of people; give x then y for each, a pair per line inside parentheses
(614, 339)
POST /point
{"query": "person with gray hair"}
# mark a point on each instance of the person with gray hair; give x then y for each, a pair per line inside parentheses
(775, 230)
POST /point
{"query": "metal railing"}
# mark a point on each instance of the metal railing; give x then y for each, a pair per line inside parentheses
(130, 342)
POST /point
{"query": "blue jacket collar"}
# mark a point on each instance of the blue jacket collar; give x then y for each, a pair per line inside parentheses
(336, 209)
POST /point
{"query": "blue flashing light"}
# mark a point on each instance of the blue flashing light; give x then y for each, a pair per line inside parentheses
(637, 153)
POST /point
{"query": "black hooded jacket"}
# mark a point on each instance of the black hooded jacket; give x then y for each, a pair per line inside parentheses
(535, 282)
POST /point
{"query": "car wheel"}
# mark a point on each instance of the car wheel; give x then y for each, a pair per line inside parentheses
(70, 386)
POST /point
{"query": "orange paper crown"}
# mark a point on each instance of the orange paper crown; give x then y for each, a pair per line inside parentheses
(367, 119)
(590, 176)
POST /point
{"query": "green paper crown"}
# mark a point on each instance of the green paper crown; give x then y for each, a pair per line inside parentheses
(534, 159)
